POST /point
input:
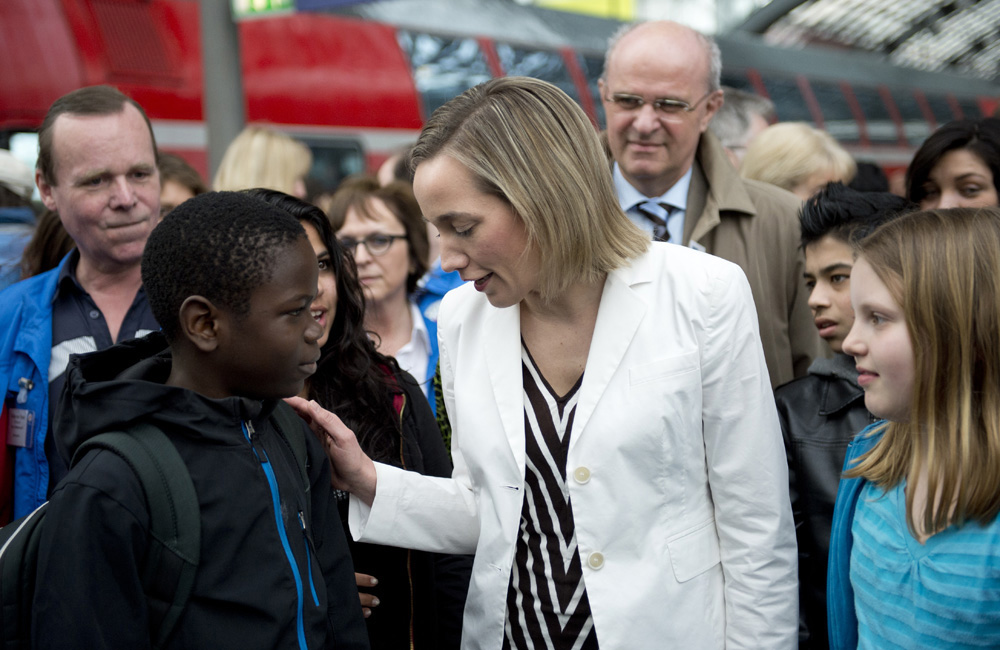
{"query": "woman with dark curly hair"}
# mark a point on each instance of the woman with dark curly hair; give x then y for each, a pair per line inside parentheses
(419, 596)
(957, 166)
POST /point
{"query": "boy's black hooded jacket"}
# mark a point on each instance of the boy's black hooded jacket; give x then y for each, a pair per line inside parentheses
(245, 596)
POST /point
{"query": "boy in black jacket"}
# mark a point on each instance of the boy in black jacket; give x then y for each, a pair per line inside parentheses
(230, 280)
(821, 412)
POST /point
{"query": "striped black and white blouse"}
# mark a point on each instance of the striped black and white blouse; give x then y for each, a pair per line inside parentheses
(547, 604)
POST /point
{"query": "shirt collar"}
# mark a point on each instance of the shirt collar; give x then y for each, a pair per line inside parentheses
(629, 196)
(67, 276)
(419, 327)
(67, 281)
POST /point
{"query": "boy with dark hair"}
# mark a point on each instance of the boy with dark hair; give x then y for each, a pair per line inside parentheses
(230, 279)
(821, 412)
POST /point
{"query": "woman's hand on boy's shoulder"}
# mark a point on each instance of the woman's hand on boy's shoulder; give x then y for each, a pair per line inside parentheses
(353, 471)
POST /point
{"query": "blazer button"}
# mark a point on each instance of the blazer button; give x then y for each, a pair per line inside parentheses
(581, 475)
(595, 560)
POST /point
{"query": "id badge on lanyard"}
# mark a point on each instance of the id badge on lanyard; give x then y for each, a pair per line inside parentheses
(20, 420)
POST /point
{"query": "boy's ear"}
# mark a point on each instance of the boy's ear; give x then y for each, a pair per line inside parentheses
(200, 322)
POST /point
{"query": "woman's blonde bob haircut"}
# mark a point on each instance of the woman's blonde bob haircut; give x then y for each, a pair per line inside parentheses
(260, 157)
(788, 153)
(942, 268)
(526, 142)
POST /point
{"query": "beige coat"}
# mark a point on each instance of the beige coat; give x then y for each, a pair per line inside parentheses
(756, 226)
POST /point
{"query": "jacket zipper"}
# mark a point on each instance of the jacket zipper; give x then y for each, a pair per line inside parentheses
(409, 553)
(309, 546)
(272, 482)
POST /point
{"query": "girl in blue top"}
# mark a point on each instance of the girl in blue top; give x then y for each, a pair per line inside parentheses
(915, 549)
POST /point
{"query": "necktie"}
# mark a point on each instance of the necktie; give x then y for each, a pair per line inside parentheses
(658, 214)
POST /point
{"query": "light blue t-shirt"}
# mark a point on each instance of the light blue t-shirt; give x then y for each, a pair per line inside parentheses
(944, 593)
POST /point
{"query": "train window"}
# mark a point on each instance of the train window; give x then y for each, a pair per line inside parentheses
(915, 126)
(592, 67)
(837, 116)
(333, 161)
(23, 146)
(541, 64)
(788, 101)
(443, 67)
(881, 128)
(941, 108)
(970, 108)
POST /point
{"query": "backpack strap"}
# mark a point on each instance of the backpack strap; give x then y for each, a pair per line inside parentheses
(290, 427)
(18, 566)
(175, 519)
(288, 423)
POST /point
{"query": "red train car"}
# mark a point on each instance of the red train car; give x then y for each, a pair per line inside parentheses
(357, 85)
(342, 84)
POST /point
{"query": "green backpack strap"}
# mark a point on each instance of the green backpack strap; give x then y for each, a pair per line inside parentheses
(175, 520)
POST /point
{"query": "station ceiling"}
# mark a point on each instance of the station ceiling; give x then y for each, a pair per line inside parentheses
(960, 36)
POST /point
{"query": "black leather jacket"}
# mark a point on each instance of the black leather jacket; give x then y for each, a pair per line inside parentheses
(820, 414)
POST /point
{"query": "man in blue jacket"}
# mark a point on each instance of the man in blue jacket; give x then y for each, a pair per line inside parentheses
(96, 169)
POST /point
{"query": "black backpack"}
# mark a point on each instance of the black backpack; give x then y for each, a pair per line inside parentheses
(175, 529)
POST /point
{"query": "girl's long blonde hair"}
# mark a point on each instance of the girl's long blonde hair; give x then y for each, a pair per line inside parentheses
(943, 268)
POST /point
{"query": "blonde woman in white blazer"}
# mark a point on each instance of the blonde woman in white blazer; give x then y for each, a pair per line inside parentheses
(672, 482)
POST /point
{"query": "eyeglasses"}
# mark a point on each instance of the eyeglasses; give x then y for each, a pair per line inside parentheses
(377, 244)
(667, 108)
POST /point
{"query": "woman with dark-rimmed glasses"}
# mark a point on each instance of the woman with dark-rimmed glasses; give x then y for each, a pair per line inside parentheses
(383, 228)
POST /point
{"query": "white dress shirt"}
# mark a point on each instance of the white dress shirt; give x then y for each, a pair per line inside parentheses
(415, 354)
(676, 196)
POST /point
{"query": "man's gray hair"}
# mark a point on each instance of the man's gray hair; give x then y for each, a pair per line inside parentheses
(714, 81)
(732, 120)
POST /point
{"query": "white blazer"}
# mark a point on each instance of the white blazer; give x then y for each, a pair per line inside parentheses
(676, 468)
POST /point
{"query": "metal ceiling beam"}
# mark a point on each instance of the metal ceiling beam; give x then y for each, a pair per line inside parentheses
(759, 21)
(969, 53)
(929, 20)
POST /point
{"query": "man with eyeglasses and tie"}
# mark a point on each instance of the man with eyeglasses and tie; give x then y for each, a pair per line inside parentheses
(660, 89)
